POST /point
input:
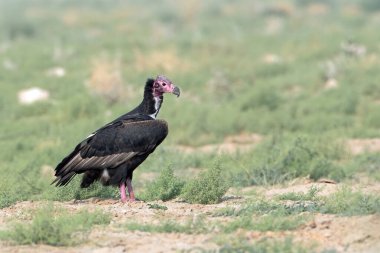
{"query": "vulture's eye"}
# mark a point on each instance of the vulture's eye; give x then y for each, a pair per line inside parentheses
(164, 84)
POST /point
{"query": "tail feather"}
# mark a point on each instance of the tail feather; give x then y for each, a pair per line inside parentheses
(64, 180)
(64, 170)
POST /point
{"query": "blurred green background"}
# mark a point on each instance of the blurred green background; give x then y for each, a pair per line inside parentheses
(302, 74)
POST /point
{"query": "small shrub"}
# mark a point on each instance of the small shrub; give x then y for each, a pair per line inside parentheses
(208, 188)
(55, 227)
(311, 195)
(6, 199)
(157, 207)
(347, 202)
(166, 187)
(368, 163)
(284, 158)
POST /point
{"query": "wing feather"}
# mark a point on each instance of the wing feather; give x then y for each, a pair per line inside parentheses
(112, 145)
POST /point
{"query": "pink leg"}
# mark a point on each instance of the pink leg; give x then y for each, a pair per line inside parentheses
(130, 190)
(122, 193)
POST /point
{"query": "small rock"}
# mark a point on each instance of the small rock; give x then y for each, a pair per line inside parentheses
(9, 65)
(56, 72)
(32, 95)
(353, 49)
(331, 84)
(271, 58)
(326, 181)
(313, 224)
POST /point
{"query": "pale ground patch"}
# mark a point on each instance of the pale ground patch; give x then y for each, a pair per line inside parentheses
(106, 79)
(359, 146)
(243, 142)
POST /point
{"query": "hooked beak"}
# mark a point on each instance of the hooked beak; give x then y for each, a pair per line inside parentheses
(176, 91)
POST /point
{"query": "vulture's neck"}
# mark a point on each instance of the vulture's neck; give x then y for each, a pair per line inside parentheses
(151, 102)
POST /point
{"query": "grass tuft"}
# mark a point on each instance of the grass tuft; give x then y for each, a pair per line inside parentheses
(157, 207)
(196, 225)
(283, 158)
(311, 195)
(272, 222)
(208, 188)
(55, 227)
(225, 211)
(346, 202)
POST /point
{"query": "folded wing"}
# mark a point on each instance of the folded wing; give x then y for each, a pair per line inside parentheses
(112, 145)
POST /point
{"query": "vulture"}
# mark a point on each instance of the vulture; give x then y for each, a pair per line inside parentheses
(113, 152)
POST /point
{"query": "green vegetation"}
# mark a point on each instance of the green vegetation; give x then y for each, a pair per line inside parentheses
(208, 188)
(263, 207)
(265, 223)
(283, 158)
(347, 202)
(267, 215)
(55, 227)
(265, 245)
(192, 226)
(225, 211)
(343, 202)
(75, 192)
(166, 187)
(368, 164)
(311, 195)
(157, 207)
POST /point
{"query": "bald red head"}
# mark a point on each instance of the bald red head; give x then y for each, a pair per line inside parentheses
(163, 85)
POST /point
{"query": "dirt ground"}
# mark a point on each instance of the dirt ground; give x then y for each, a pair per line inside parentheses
(344, 234)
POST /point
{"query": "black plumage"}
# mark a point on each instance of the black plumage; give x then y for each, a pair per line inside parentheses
(113, 152)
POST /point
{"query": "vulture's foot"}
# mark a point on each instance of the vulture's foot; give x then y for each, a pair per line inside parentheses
(123, 196)
(130, 190)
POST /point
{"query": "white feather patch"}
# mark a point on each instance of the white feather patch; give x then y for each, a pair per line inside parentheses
(157, 105)
(105, 175)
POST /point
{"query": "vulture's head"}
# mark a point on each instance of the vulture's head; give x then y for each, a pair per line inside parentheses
(164, 85)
